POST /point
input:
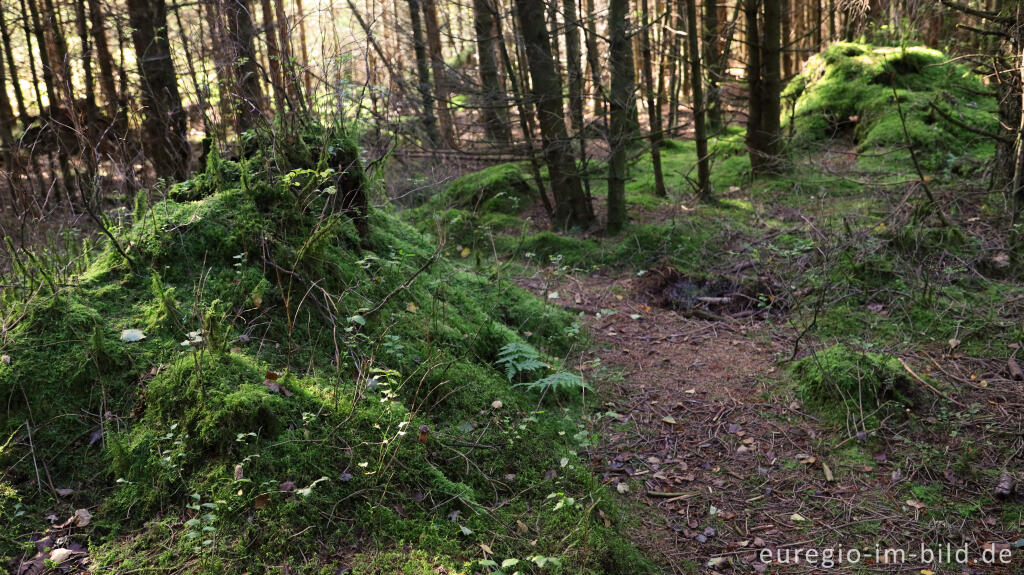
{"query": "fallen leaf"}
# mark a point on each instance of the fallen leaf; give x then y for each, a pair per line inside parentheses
(61, 555)
(81, 518)
(828, 472)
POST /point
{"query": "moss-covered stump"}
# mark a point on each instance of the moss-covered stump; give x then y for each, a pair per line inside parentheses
(850, 386)
(852, 89)
(267, 392)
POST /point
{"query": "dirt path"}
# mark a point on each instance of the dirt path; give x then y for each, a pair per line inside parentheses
(718, 462)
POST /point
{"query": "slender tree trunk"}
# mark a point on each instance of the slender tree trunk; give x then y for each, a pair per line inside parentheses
(653, 113)
(44, 60)
(700, 128)
(572, 206)
(303, 50)
(713, 64)
(765, 85)
(494, 105)
(19, 96)
(423, 74)
(620, 102)
(103, 58)
(164, 123)
(248, 95)
(594, 62)
(90, 81)
(274, 60)
(787, 45)
(574, 67)
(292, 85)
(437, 66)
(6, 121)
(675, 63)
(524, 124)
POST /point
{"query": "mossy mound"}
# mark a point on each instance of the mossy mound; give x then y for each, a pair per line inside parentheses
(846, 385)
(504, 188)
(472, 209)
(271, 414)
(852, 89)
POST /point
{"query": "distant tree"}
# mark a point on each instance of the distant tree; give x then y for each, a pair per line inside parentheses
(423, 74)
(104, 60)
(713, 64)
(572, 206)
(764, 77)
(164, 124)
(437, 67)
(653, 113)
(249, 106)
(699, 115)
(620, 103)
(494, 108)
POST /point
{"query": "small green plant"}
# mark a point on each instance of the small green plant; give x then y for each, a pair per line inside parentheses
(201, 530)
(558, 382)
(518, 358)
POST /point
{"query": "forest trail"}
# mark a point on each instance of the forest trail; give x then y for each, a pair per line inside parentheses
(701, 433)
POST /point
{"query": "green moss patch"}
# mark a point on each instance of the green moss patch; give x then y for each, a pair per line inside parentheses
(302, 398)
(851, 386)
(852, 89)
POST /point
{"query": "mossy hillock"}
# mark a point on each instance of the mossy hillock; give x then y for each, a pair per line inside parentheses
(264, 388)
(851, 386)
(852, 89)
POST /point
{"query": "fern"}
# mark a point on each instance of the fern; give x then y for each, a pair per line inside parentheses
(560, 381)
(519, 358)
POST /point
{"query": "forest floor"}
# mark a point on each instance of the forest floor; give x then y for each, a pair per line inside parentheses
(704, 435)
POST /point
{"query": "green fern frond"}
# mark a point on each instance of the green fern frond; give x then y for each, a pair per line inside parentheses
(517, 357)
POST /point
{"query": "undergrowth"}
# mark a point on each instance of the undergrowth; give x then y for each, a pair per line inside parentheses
(266, 389)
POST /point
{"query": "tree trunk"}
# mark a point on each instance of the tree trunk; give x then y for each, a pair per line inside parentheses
(493, 103)
(574, 67)
(594, 61)
(572, 207)
(620, 102)
(437, 66)
(653, 113)
(164, 123)
(713, 64)
(19, 97)
(248, 94)
(274, 60)
(103, 58)
(765, 85)
(700, 128)
(423, 74)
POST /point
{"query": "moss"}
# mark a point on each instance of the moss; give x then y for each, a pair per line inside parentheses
(849, 89)
(504, 188)
(848, 385)
(159, 435)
